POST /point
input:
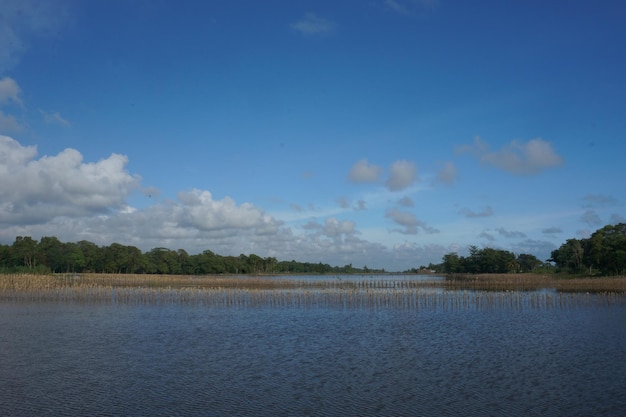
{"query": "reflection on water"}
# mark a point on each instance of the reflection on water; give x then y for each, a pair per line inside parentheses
(365, 277)
(181, 359)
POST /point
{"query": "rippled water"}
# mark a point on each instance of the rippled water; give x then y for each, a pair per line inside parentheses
(61, 359)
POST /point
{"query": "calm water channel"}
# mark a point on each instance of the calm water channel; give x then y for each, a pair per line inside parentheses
(63, 359)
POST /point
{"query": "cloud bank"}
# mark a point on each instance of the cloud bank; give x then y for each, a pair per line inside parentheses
(518, 158)
(65, 196)
(38, 190)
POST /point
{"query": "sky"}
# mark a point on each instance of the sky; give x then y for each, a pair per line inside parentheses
(378, 133)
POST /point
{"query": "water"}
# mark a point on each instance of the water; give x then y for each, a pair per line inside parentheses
(360, 278)
(63, 359)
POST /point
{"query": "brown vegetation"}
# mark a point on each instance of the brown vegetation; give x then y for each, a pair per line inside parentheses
(528, 282)
(462, 291)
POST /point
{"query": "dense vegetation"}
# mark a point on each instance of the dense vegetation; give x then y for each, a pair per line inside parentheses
(489, 260)
(52, 255)
(603, 253)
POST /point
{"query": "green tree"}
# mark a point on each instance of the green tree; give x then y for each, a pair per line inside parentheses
(50, 252)
(569, 256)
(209, 263)
(606, 248)
(269, 264)
(527, 262)
(114, 258)
(162, 261)
(256, 263)
(452, 263)
(185, 262)
(495, 261)
(73, 259)
(24, 250)
(5, 257)
(92, 256)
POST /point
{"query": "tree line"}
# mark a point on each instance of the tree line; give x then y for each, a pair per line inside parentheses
(489, 260)
(49, 254)
(603, 253)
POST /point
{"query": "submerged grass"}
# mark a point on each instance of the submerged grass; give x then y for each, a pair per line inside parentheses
(458, 292)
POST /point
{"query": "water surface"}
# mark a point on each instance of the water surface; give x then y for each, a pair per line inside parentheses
(160, 360)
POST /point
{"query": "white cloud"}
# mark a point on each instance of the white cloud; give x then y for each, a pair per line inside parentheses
(151, 192)
(199, 211)
(343, 202)
(519, 158)
(599, 200)
(447, 174)
(64, 196)
(364, 172)
(34, 190)
(409, 222)
(10, 92)
(196, 224)
(346, 204)
(591, 218)
(486, 212)
(509, 234)
(335, 242)
(8, 123)
(54, 118)
(312, 24)
(334, 227)
(403, 174)
(406, 202)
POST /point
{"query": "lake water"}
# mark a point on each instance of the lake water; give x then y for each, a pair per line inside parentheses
(108, 359)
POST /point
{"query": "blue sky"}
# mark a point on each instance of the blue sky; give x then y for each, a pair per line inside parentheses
(383, 133)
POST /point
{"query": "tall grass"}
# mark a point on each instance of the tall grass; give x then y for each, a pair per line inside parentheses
(528, 282)
(245, 291)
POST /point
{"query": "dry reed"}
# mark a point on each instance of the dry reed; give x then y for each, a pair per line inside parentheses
(529, 282)
(465, 292)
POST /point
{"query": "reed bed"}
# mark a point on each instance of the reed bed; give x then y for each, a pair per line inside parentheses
(244, 291)
(25, 282)
(533, 282)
